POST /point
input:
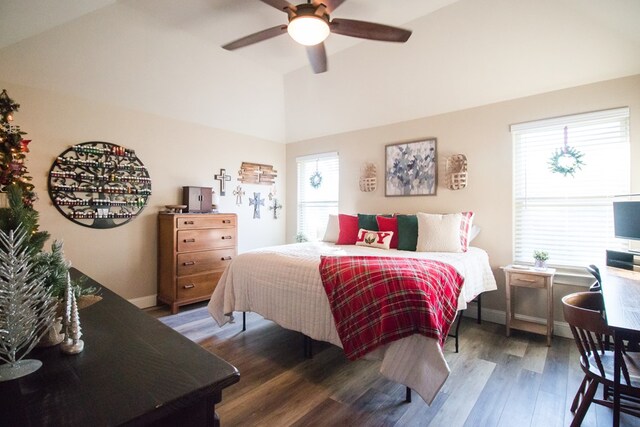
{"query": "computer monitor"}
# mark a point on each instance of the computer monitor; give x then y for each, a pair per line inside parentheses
(626, 219)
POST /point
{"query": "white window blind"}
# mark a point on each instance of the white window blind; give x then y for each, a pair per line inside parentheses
(570, 217)
(315, 204)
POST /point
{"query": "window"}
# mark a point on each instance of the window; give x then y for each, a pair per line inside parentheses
(318, 199)
(571, 217)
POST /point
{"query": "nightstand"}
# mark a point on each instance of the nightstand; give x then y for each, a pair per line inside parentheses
(530, 278)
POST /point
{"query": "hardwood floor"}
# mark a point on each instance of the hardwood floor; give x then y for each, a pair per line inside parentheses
(494, 381)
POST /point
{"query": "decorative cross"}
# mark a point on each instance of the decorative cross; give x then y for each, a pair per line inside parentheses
(256, 202)
(274, 207)
(222, 177)
(238, 192)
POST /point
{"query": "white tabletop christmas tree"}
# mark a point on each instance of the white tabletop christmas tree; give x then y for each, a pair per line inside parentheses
(72, 343)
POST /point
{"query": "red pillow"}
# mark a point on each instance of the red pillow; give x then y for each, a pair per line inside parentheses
(348, 229)
(465, 230)
(389, 224)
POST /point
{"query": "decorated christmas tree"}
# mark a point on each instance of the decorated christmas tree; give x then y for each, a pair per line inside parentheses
(20, 214)
(13, 151)
(16, 183)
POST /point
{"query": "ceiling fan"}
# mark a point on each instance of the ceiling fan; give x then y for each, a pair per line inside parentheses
(309, 25)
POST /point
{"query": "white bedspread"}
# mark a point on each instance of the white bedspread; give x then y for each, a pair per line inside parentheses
(283, 284)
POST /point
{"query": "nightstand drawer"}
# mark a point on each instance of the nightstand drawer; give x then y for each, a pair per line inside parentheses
(198, 286)
(209, 238)
(201, 262)
(527, 280)
(214, 221)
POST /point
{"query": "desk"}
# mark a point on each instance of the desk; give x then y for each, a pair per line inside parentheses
(621, 292)
(134, 370)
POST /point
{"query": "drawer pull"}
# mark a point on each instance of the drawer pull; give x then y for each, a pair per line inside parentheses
(226, 221)
(189, 240)
(189, 263)
(528, 280)
(227, 237)
(225, 258)
(188, 223)
(189, 286)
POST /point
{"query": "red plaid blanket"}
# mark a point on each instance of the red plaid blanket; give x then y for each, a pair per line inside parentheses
(377, 300)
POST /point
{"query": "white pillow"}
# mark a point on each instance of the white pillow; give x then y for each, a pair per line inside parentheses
(475, 230)
(439, 233)
(333, 229)
(374, 239)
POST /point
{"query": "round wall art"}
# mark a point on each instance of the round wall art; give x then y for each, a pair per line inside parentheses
(99, 185)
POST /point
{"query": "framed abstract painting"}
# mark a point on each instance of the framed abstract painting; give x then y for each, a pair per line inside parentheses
(411, 168)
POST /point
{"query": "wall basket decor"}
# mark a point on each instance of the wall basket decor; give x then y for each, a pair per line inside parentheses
(457, 171)
(368, 178)
(99, 185)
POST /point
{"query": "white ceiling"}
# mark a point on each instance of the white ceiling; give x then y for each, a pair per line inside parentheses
(213, 21)
(145, 54)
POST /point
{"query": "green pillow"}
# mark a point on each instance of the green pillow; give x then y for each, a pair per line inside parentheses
(407, 232)
(368, 222)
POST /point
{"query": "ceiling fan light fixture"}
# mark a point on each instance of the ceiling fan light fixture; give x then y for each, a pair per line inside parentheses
(308, 30)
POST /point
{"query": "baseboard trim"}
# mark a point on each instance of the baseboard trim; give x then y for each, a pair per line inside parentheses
(144, 302)
(560, 329)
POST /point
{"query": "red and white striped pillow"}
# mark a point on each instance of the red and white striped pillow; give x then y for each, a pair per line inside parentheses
(465, 230)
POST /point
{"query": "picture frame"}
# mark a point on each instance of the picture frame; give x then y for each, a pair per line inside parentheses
(411, 168)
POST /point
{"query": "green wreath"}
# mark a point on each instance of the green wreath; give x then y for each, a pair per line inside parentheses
(566, 160)
(316, 180)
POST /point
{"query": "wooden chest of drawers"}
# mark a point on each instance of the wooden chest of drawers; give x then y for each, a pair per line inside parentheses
(193, 251)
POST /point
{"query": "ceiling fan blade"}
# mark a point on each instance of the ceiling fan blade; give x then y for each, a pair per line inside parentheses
(330, 4)
(281, 5)
(317, 57)
(369, 30)
(256, 37)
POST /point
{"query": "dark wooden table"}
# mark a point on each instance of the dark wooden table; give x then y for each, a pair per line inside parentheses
(134, 370)
(621, 292)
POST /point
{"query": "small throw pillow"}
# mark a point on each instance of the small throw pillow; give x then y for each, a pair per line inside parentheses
(407, 232)
(348, 229)
(333, 229)
(439, 233)
(389, 224)
(465, 230)
(368, 222)
(374, 239)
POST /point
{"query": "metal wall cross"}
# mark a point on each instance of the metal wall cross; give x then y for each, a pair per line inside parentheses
(275, 206)
(238, 192)
(223, 178)
(256, 202)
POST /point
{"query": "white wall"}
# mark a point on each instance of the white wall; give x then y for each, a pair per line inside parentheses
(482, 134)
(130, 59)
(176, 153)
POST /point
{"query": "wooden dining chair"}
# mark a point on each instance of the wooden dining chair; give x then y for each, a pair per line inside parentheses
(584, 312)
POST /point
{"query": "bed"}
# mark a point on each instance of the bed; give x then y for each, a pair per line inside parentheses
(283, 284)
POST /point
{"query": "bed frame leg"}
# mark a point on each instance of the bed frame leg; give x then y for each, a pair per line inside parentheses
(308, 347)
(244, 321)
(407, 397)
(457, 329)
(456, 334)
(479, 303)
